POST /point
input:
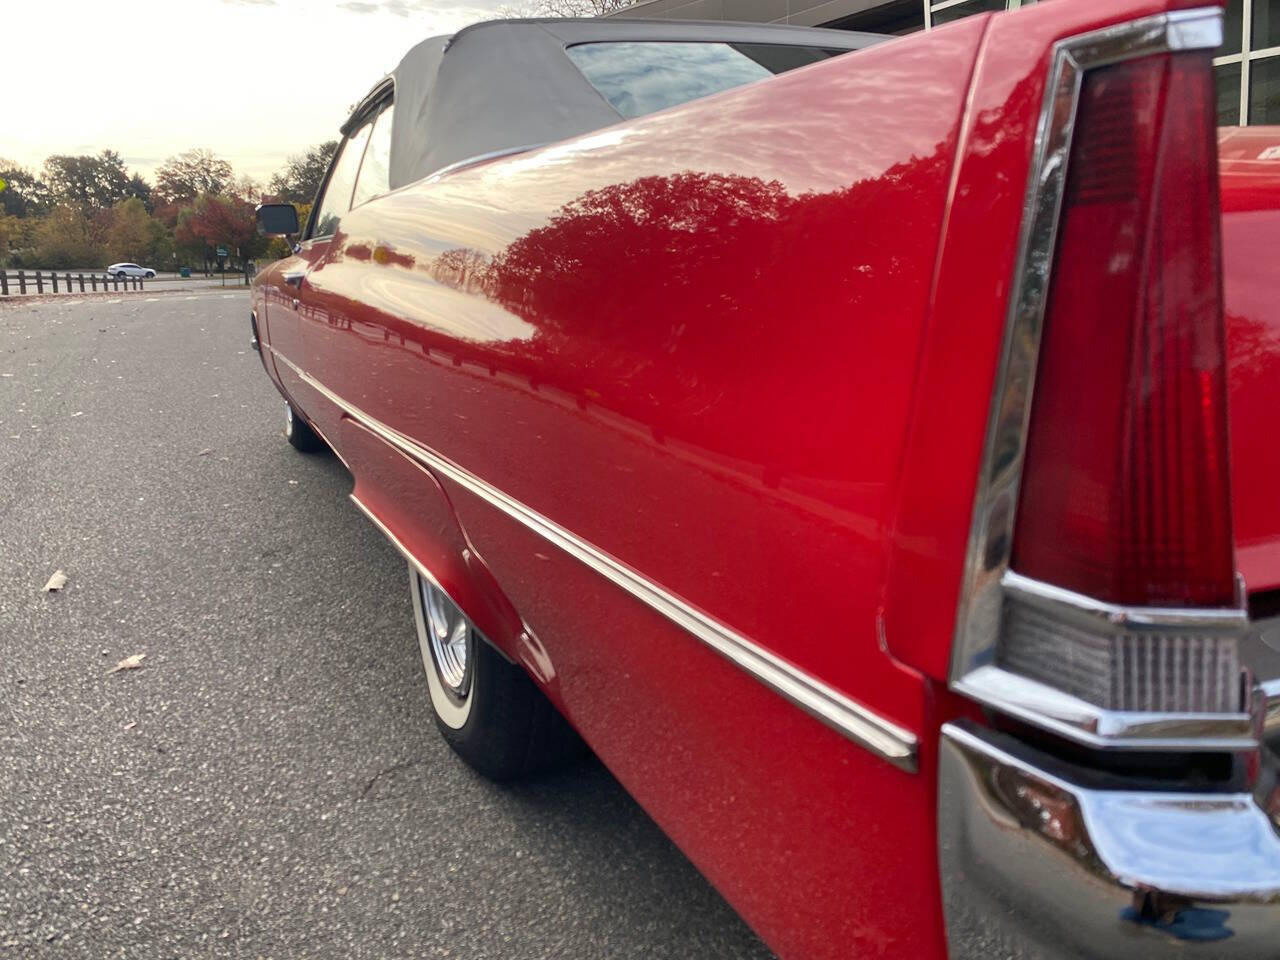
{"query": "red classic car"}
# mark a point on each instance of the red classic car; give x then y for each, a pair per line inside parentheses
(860, 461)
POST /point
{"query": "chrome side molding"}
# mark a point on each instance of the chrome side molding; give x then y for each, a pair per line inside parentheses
(1036, 865)
(878, 734)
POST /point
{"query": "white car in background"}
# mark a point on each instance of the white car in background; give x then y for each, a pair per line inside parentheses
(122, 270)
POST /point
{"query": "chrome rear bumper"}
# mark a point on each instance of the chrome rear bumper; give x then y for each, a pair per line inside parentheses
(1035, 865)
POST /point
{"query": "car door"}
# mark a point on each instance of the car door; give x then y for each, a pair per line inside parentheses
(292, 298)
(333, 326)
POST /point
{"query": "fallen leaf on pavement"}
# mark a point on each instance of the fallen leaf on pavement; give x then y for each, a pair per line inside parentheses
(205, 452)
(129, 663)
(56, 582)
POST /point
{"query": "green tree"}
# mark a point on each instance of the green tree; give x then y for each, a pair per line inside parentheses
(188, 175)
(64, 239)
(138, 187)
(299, 181)
(7, 236)
(25, 194)
(85, 181)
(130, 237)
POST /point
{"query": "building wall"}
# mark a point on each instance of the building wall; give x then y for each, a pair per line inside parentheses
(1247, 65)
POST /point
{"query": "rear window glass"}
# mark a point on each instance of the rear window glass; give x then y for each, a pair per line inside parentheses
(641, 77)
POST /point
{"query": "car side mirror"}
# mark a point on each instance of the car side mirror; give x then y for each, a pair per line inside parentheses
(277, 219)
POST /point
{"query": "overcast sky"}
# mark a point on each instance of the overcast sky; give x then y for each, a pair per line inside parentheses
(252, 80)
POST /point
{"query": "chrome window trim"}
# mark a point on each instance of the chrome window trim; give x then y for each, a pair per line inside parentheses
(881, 736)
(987, 576)
(480, 158)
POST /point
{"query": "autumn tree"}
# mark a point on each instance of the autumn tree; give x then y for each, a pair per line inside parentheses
(299, 181)
(65, 239)
(190, 174)
(91, 183)
(215, 220)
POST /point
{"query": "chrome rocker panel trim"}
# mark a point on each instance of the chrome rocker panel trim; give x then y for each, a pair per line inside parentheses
(881, 736)
(987, 576)
(421, 569)
(1036, 865)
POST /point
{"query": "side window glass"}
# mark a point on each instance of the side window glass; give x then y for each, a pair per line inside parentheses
(374, 178)
(337, 192)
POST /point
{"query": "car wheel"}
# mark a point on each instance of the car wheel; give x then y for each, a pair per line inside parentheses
(299, 433)
(151, 274)
(121, 275)
(488, 710)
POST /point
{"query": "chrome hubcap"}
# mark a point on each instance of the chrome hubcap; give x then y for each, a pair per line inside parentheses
(450, 636)
(288, 420)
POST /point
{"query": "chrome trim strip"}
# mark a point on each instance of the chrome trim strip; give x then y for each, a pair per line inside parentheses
(1068, 716)
(1116, 617)
(1034, 863)
(403, 550)
(418, 566)
(986, 574)
(881, 736)
(1270, 695)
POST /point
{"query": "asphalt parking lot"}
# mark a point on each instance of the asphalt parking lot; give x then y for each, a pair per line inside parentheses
(268, 783)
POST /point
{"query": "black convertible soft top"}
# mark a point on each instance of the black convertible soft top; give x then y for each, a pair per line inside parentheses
(506, 84)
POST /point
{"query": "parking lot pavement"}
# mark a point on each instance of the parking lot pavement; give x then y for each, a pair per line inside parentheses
(268, 783)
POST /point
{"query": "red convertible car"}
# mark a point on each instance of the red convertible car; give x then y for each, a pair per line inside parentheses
(848, 439)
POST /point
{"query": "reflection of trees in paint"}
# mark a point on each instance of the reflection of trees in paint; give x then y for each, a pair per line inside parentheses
(693, 302)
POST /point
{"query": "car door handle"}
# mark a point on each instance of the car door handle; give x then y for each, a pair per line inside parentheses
(294, 277)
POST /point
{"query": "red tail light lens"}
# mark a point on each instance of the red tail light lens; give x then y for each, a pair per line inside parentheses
(1125, 484)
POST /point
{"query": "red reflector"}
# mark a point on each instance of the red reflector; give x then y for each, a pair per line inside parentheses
(1125, 491)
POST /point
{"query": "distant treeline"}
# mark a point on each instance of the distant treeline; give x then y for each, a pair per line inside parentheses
(88, 211)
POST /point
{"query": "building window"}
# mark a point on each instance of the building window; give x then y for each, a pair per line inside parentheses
(1248, 63)
(945, 11)
(895, 17)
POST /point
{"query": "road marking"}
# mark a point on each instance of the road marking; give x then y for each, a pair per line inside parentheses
(152, 299)
(117, 300)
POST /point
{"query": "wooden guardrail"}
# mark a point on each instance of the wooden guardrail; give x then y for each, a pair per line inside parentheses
(23, 282)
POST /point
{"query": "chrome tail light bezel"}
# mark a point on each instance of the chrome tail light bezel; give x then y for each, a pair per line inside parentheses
(989, 585)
